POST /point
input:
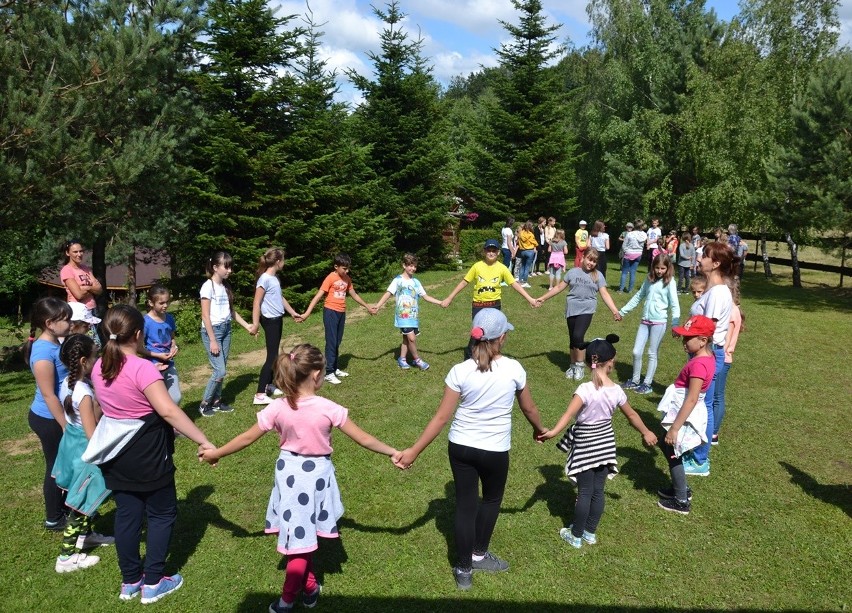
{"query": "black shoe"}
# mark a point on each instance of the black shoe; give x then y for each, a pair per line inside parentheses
(206, 410)
(464, 578)
(674, 505)
(669, 494)
(221, 407)
(57, 525)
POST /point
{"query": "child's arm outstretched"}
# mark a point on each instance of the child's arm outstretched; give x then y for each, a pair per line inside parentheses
(570, 413)
(317, 297)
(683, 414)
(446, 301)
(429, 298)
(608, 301)
(648, 437)
(518, 288)
(382, 301)
(357, 298)
(445, 410)
(238, 443)
(250, 328)
(551, 293)
(530, 410)
(366, 440)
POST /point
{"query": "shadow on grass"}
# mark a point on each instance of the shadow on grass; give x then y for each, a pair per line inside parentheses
(555, 492)
(838, 495)
(775, 292)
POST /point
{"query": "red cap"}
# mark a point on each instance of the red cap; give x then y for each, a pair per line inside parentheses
(697, 325)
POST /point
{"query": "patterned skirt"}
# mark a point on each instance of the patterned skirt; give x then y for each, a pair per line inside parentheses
(305, 502)
(590, 446)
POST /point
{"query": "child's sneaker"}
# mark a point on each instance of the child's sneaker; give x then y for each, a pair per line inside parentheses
(579, 372)
(643, 389)
(630, 384)
(574, 541)
(490, 564)
(691, 467)
(93, 539)
(75, 562)
(167, 585)
(669, 493)
(206, 410)
(340, 373)
(221, 407)
(674, 505)
(332, 378)
(261, 399)
(421, 364)
(589, 537)
(129, 591)
(279, 607)
(464, 578)
(271, 390)
(403, 363)
(715, 440)
(569, 374)
(310, 600)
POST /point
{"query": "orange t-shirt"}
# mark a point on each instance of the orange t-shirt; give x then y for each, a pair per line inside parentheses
(335, 289)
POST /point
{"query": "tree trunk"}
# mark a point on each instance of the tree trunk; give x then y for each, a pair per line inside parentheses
(99, 270)
(767, 269)
(131, 277)
(794, 261)
(843, 262)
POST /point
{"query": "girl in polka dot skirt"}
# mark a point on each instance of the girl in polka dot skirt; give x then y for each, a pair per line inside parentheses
(305, 501)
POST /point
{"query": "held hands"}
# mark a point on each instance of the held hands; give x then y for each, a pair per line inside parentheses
(540, 437)
(617, 316)
(207, 453)
(253, 329)
(404, 459)
(445, 302)
(372, 309)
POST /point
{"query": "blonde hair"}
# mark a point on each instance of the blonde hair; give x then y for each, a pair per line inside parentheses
(598, 368)
(592, 255)
(560, 234)
(485, 352)
(698, 282)
(295, 367)
(269, 258)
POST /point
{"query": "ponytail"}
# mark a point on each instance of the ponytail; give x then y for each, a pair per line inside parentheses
(74, 348)
(484, 352)
(120, 326)
(292, 369)
(269, 258)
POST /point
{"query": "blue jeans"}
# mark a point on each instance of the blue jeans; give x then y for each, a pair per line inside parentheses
(719, 397)
(334, 322)
(701, 453)
(655, 334)
(170, 378)
(507, 257)
(527, 257)
(222, 334)
(628, 267)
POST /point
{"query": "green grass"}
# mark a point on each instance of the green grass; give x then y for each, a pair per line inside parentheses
(769, 530)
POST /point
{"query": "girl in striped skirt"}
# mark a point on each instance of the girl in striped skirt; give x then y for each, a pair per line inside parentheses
(590, 442)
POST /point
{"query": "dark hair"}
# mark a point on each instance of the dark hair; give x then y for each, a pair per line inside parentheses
(598, 227)
(44, 310)
(409, 259)
(659, 259)
(294, 368)
(122, 322)
(66, 246)
(222, 258)
(722, 253)
(509, 221)
(158, 289)
(343, 259)
(74, 348)
(269, 258)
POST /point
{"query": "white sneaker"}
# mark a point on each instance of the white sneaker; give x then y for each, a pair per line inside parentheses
(341, 373)
(75, 562)
(271, 389)
(262, 399)
(93, 539)
(569, 374)
(332, 378)
(579, 373)
(525, 284)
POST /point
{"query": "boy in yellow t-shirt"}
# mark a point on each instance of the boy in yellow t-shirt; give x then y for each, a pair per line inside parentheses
(581, 242)
(487, 276)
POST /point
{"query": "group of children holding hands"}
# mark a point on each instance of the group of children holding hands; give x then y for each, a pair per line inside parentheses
(116, 416)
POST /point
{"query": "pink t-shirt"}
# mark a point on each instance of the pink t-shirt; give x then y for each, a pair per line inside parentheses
(83, 276)
(125, 398)
(306, 431)
(599, 404)
(703, 367)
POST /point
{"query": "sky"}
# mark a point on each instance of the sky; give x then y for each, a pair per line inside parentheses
(459, 35)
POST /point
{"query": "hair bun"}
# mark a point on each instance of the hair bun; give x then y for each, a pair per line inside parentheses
(477, 333)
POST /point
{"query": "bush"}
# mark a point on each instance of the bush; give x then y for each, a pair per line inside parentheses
(187, 316)
(471, 242)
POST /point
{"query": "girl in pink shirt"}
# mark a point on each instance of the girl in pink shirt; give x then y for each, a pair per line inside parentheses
(305, 501)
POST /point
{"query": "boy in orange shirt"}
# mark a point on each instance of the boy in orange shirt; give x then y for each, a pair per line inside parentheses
(335, 287)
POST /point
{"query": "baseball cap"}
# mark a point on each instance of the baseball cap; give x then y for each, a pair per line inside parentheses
(79, 312)
(629, 224)
(697, 325)
(583, 222)
(491, 243)
(489, 324)
(601, 350)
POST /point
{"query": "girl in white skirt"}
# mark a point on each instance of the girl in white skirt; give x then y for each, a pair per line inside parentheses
(305, 501)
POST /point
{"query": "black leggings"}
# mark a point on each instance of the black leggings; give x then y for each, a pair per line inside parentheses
(49, 433)
(272, 327)
(475, 520)
(675, 469)
(590, 500)
(578, 325)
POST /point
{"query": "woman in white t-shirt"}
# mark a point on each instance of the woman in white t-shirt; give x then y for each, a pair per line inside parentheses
(481, 391)
(507, 246)
(217, 311)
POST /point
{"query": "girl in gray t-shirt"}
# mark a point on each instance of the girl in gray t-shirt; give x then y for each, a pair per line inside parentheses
(586, 283)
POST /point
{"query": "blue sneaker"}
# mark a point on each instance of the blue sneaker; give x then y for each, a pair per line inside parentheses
(643, 389)
(129, 591)
(589, 537)
(574, 541)
(691, 467)
(630, 384)
(310, 600)
(421, 364)
(167, 585)
(403, 363)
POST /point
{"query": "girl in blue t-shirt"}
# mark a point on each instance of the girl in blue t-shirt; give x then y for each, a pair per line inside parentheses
(47, 418)
(159, 335)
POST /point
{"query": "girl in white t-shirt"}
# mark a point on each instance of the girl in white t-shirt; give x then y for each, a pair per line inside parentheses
(268, 313)
(590, 442)
(305, 501)
(83, 482)
(481, 391)
(217, 311)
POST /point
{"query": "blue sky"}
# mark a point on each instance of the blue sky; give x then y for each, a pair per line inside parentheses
(459, 35)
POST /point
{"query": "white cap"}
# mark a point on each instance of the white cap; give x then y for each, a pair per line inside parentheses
(79, 312)
(489, 324)
(583, 222)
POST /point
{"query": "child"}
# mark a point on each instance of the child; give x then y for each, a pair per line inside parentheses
(672, 245)
(556, 264)
(46, 416)
(406, 290)
(684, 411)
(305, 501)
(479, 395)
(580, 305)
(581, 243)
(159, 345)
(655, 234)
(685, 263)
(591, 440)
(734, 329)
(268, 312)
(83, 482)
(660, 297)
(134, 444)
(335, 287)
(488, 275)
(698, 286)
(83, 322)
(217, 312)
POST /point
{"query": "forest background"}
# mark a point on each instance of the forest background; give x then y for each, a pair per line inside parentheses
(191, 126)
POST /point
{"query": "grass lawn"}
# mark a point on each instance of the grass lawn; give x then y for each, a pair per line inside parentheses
(770, 528)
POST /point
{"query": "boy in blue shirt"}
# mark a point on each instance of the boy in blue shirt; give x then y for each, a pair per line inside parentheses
(407, 290)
